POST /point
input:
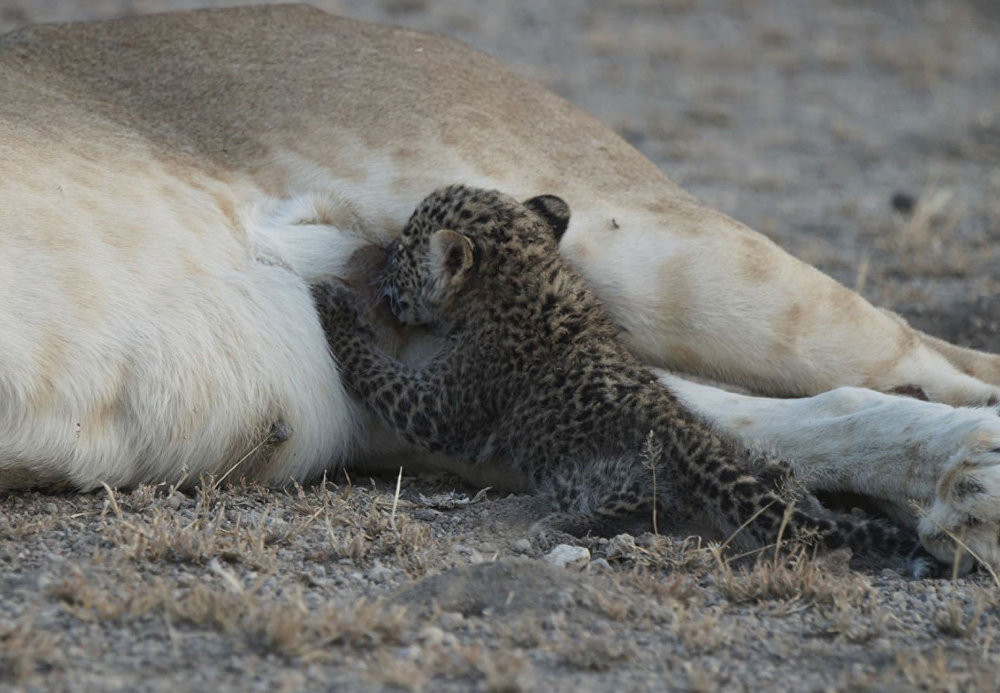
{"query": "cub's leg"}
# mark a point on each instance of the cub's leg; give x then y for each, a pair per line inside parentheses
(888, 448)
(422, 404)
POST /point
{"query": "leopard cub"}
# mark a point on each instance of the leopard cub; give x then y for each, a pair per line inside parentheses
(532, 376)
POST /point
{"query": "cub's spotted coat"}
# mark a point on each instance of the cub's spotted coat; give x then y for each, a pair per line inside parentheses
(532, 376)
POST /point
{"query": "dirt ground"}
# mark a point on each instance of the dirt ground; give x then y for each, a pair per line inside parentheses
(863, 137)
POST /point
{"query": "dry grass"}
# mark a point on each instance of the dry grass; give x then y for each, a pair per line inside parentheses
(701, 627)
(596, 653)
(932, 672)
(287, 625)
(498, 670)
(959, 619)
(923, 241)
(359, 524)
(159, 533)
(796, 578)
(24, 649)
(25, 526)
(847, 621)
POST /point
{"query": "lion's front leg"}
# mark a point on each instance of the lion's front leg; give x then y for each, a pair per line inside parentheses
(934, 466)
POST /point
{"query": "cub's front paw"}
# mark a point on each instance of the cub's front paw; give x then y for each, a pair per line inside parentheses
(336, 305)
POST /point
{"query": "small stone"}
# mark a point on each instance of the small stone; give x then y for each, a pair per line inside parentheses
(523, 545)
(432, 635)
(379, 574)
(426, 515)
(411, 652)
(564, 599)
(451, 619)
(647, 540)
(621, 546)
(599, 565)
(566, 556)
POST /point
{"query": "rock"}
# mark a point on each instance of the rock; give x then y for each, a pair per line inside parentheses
(566, 556)
(432, 635)
(599, 565)
(451, 619)
(522, 545)
(378, 574)
(427, 515)
(621, 546)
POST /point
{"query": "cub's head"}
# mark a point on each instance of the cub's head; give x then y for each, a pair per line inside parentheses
(465, 244)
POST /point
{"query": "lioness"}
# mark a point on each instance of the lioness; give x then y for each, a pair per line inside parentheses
(179, 180)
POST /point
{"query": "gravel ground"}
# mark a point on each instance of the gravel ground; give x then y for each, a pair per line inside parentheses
(864, 137)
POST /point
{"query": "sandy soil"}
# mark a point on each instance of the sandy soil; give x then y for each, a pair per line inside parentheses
(864, 137)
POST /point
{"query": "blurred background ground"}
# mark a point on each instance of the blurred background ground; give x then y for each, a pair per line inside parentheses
(864, 137)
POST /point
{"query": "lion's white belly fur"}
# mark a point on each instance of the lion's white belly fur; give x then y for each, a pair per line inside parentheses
(159, 339)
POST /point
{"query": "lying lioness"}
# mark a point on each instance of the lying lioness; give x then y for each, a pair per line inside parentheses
(172, 184)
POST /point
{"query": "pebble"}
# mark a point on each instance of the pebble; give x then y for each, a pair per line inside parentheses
(599, 565)
(566, 556)
(432, 635)
(411, 653)
(427, 515)
(451, 619)
(620, 546)
(379, 574)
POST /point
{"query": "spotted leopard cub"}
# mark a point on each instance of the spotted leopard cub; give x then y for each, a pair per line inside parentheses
(532, 376)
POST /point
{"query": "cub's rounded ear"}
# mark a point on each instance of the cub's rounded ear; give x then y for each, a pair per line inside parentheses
(452, 255)
(553, 210)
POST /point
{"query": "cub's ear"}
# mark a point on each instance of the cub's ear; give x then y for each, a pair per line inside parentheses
(452, 255)
(553, 210)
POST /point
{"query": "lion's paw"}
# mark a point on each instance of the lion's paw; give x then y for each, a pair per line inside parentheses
(962, 524)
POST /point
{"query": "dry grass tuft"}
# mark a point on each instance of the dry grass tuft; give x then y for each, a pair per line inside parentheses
(25, 650)
(596, 653)
(924, 237)
(931, 672)
(360, 525)
(956, 620)
(503, 671)
(161, 533)
(700, 628)
(796, 578)
(848, 622)
(679, 588)
(23, 526)
(288, 626)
